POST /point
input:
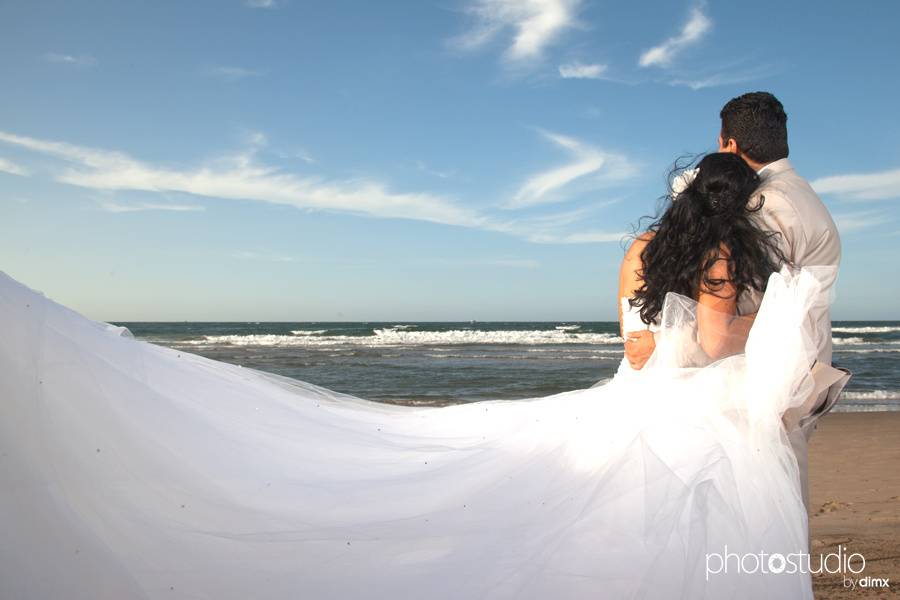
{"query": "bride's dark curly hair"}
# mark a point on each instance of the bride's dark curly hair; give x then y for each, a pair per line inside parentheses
(713, 210)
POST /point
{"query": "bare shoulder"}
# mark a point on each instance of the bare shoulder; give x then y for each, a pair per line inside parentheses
(640, 242)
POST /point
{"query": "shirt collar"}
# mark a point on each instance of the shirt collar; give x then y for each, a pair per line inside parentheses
(782, 164)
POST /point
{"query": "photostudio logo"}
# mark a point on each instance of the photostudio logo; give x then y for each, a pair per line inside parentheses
(849, 565)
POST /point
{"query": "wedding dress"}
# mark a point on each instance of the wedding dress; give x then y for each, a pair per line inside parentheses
(131, 470)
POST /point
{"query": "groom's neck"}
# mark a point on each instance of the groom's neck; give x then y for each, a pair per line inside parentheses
(756, 166)
(734, 149)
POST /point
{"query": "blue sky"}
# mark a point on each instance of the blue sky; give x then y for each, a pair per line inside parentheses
(453, 160)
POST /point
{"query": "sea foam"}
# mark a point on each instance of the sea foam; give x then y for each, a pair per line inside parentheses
(404, 337)
(873, 329)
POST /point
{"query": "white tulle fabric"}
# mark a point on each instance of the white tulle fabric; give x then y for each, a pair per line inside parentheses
(130, 470)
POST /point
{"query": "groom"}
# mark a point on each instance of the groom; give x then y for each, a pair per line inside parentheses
(754, 126)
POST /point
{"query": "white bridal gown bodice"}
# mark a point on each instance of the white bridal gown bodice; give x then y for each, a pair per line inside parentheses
(130, 470)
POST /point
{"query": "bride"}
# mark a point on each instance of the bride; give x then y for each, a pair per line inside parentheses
(130, 470)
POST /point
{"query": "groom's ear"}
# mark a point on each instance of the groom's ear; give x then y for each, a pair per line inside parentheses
(728, 145)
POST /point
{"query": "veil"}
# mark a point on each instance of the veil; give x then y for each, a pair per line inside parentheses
(131, 470)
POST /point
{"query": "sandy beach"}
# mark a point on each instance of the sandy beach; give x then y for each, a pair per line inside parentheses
(854, 477)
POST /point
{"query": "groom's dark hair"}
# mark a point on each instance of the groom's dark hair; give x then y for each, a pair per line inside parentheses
(758, 124)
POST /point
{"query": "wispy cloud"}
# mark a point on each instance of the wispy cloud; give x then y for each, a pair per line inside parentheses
(857, 221)
(507, 262)
(260, 4)
(118, 207)
(586, 160)
(882, 185)
(421, 166)
(8, 166)
(556, 228)
(579, 237)
(302, 155)
(733, 73)
(263, 256)
(81, 60)
(258, 140)
(242, 177)
(577, 70)
(713, 81)
(233, 73)
(511, 263)
(697, 26)
(535, 24)
(299, 154)
(537, 189)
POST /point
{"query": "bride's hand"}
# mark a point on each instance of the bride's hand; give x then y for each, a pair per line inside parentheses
(639, 345)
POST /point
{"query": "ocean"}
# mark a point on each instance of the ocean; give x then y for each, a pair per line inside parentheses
(439, 363)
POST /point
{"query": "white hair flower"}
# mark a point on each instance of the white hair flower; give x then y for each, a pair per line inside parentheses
(681, 181)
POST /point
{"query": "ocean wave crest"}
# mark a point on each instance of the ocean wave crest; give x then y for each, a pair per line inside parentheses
(403, 337)
(872, 395)
(849, 341)
(874, 329)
